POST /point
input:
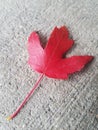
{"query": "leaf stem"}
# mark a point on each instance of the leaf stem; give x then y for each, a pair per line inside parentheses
(26, 98)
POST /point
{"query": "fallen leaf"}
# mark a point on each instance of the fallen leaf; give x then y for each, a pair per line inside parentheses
(50, 61)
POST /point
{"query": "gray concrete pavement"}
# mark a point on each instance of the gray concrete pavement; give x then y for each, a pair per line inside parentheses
(57, 104)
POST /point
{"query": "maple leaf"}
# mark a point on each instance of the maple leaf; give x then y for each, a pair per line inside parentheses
(50, 61)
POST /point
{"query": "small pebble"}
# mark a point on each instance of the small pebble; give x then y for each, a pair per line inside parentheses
(97, 116)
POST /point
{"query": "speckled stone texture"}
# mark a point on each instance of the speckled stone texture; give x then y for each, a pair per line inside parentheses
(57, 104)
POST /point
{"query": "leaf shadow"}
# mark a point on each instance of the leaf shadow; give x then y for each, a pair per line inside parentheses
(42, 38)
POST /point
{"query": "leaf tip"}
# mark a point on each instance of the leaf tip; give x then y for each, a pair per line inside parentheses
(91, 58)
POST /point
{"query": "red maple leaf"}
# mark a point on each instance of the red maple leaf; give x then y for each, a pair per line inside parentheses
(50, 61)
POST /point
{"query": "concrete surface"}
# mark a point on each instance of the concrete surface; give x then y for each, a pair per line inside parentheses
(56, 104)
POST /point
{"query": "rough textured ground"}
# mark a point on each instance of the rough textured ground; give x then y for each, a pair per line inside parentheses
(56, 104)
